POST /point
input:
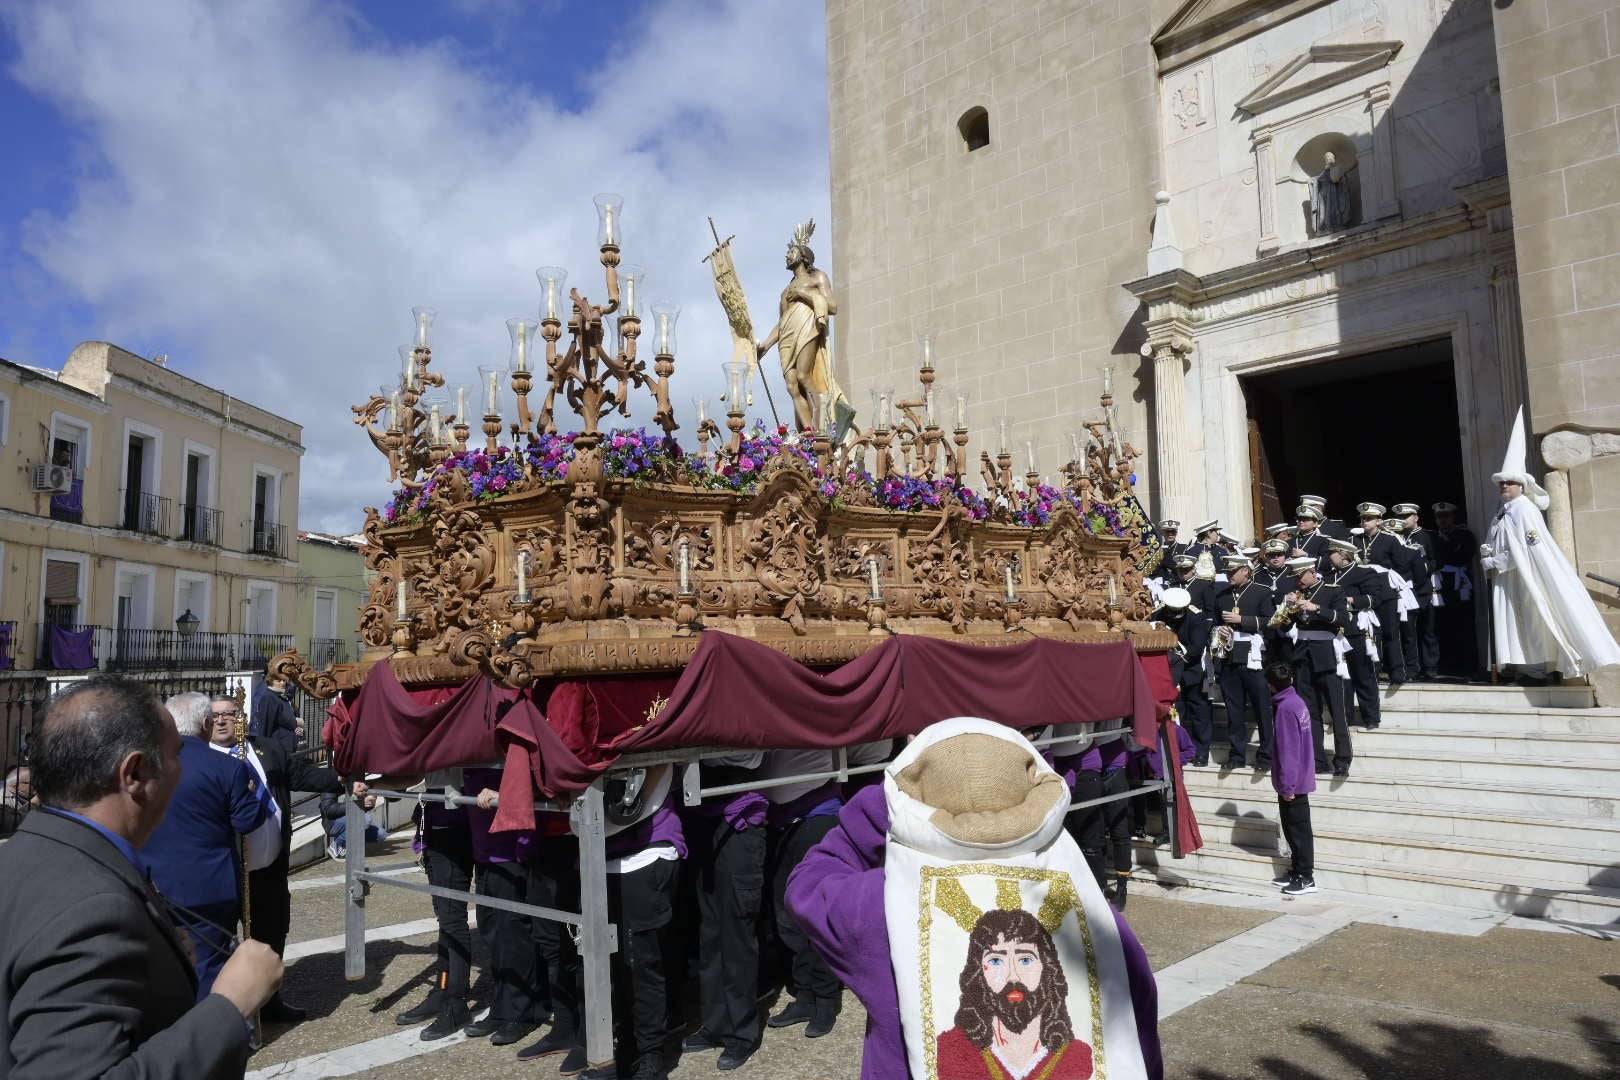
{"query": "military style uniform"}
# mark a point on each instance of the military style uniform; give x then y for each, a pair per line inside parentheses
(1316, 664)
(1380, 549)
(1243, 687)
(1363, 587)
(1187, 660)
(1454, 552)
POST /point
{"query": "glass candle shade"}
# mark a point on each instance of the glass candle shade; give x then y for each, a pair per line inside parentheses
(925, 349)
(928, 407)
(490, 378)
(632, 281)
(609, 210)
(407, 367)
(423, 317)
(521, 330)
(1108, 379)
(1009, 571)
(394, 414)
(961, 397)
(523, 574)
(1030, 465)
(1003, 435)
(461, 404)
(736, 384)
(665, 314)
(1077, 445)
(401, 599)
(874, 580)
(883, 408)
(552, 280)
(683, 567)
(700, 405)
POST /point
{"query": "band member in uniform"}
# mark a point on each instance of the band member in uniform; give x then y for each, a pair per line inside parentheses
(1242, 610)
(1318, 614)
(1209, 549)
(1330, 526)
(1362, 586)
(1423, 654)
(1276, 577)
(1184, 572)
(1455, 547)
(1169, 530)
(1309, 539)
(1378, 549)
(1192, 627)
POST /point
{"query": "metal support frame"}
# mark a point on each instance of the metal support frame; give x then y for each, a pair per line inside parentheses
(597, 937)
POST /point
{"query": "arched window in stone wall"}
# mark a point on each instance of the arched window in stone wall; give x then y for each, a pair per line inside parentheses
(1327, 165)
(974, 127)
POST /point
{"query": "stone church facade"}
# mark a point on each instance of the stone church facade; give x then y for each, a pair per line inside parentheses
(1316, 245)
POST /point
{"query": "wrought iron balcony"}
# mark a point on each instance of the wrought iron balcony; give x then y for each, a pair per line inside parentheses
(324, 652)
(199, 524)
(266, 538)
(146, 512)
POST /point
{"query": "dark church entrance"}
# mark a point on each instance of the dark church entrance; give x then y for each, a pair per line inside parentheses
(1380, 427)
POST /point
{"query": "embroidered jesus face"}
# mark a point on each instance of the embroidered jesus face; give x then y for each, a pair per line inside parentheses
(1013, 977)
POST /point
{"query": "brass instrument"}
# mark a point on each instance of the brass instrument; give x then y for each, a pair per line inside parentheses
(1285, 612)
(1220, 643)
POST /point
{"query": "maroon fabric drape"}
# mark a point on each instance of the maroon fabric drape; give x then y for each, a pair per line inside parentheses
(392, 729)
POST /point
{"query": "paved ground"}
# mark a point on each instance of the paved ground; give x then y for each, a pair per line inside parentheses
(1320, 988)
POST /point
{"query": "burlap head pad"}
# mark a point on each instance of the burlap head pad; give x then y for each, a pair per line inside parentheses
(984, 790)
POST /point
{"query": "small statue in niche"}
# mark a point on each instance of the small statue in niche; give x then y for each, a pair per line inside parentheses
(1330, 198)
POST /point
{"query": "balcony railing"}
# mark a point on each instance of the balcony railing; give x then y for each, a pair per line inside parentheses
(199, 524)
(324, 652)
(8, 642)
(146, 512)
(78, 648)
(265, 538)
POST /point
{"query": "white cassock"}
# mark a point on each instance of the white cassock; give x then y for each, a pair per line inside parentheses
(1540, 614)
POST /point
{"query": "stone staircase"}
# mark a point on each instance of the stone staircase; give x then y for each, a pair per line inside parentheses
(1501, 799)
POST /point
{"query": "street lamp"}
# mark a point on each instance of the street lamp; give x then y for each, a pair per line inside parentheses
(187, 624)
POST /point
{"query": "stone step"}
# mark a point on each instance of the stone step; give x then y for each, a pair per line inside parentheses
(1548, 864)
(1513, 796)
(1463, 696)
(1219, 866)
(1395, 737)
(1491, 718)
(1329, 809)
(1380, 759)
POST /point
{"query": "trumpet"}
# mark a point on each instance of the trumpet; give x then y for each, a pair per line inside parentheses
(1285, 612)
(1221, 642)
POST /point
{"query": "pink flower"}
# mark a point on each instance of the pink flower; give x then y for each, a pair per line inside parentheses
(499, 483)
(747, 463)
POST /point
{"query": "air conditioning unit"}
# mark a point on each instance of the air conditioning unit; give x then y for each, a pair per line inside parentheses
(53, 478)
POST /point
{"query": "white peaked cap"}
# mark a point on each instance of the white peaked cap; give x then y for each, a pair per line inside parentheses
(1514, 465)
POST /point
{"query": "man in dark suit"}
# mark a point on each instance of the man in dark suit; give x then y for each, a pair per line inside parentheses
(94, 980)
(282, 773)
(195, 855)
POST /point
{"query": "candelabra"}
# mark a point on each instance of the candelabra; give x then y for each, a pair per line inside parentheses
(406, 438)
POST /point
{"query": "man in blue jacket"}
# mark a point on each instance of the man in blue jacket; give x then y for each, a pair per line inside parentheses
(194, 855)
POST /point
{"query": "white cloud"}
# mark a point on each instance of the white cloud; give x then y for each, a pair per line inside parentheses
(274, 190)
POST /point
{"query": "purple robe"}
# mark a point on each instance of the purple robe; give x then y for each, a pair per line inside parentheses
(836, 893)
(1293, 759)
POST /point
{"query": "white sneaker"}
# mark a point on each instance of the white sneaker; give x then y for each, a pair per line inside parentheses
(335, 851)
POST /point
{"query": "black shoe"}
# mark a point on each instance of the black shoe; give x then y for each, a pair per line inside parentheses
(277, 1011)
(797, 1012)
(734, 1059)
(1162, 840)
(510, 1032)
(601, 1072)
(480, 1029)
(699, 1041)
(1300, 886)
(451, 1019)
(650, 1068)
(575, 1062)
(821, 1023)
(555, 1042)
(1120, 881)
(426, 1010)
(1201, 760)
(1345, 771)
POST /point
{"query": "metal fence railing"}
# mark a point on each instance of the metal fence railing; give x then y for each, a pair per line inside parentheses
(81, 648)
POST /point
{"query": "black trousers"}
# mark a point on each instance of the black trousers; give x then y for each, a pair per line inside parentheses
(1295, 816)
(522, 992)
(1454, 628)
(811, 979)
(448, 855)
(1097, 828)
(554, 883)
(1363, 687)
(1194, 708)
(1389, 640)
(641, 904)
(1245, 690)
(728, 868)
(1423, 652)
(272, 903)
(1324, 694)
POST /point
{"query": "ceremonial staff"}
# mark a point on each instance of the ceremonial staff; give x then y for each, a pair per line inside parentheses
(240, 752)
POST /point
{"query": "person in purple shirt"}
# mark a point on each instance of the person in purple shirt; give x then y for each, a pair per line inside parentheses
(800, 815)
(1293, 774)
(522, 997)
(837, 895)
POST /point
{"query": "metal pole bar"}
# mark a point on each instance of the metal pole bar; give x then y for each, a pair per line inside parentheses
(1156, 785)
(458, 800)
(354, 892)
(554, 914)
(597, 936)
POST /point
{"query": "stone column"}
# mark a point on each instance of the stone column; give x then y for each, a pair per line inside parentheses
(1170, 420)
(1562, 451)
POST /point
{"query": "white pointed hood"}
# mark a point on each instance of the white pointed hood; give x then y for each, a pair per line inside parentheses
(1514, 465)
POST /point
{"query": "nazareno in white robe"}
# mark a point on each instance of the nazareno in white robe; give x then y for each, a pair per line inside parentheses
(1540, 613)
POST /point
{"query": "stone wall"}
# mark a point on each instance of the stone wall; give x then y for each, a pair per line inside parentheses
(1013, 253)
(1559, 64)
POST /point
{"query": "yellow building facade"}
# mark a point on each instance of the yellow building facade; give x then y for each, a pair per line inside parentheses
(146, 520)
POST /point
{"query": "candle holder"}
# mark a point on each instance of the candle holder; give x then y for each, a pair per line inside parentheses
(521, 615)
(1116, 617)
(687, 622)
(404, 636)
(877, 608)
(492, 432)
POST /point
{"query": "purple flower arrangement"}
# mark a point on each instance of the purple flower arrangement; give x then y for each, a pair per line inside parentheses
(638, 455)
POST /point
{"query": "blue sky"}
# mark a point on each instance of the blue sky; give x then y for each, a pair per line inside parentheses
(263, 191)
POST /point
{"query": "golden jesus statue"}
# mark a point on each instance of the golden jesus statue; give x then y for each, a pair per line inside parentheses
(801, 333)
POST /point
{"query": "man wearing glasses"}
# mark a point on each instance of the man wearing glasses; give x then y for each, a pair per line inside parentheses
(282, 773)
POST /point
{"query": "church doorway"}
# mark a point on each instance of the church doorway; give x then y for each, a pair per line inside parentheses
(1380, 426)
